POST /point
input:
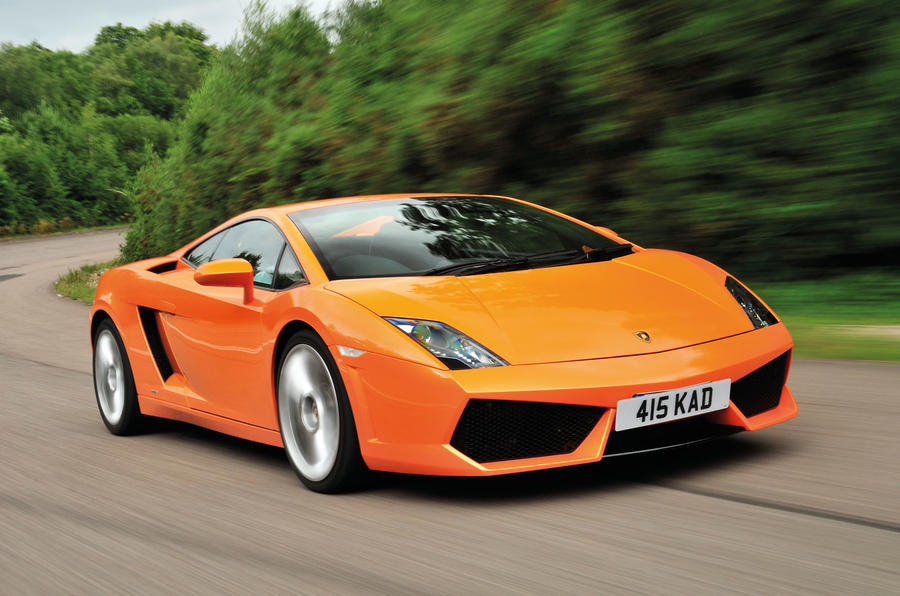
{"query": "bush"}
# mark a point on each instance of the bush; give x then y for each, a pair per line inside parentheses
(43, 227)
(65, 224)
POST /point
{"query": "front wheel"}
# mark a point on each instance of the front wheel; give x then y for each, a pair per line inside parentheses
(114, 383)
(314, 415)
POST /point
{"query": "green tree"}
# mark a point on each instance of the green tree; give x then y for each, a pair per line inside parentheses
(76, 127)
(117, 35)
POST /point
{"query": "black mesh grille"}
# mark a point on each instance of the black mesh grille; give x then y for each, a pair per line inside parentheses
(760, 391)
(668, 434)
(496, 430)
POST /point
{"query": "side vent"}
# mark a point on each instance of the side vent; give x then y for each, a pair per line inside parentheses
(164, 267)
(154, 340)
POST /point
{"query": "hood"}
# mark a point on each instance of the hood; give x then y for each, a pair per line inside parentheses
(572, 312)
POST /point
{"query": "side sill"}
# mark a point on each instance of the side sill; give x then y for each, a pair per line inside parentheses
(154, 407)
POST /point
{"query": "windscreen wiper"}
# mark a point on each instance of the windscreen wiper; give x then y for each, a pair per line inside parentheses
(557, 257)
(586, 255)
(473, 267)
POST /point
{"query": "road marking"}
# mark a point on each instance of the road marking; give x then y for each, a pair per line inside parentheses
(13, 356)
(775, 505)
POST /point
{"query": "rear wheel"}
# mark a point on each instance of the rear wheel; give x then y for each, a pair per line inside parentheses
(314, 415)
(114, 383)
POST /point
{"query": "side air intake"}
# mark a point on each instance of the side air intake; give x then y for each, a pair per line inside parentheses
(154, 340)
(163, 267)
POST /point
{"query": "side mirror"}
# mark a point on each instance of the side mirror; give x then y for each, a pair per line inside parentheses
(227, 273)
(605, 231)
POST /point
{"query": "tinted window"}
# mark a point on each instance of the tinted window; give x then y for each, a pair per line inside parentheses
(256, 241)
(415, 235)
(203, 252)
(289, 271)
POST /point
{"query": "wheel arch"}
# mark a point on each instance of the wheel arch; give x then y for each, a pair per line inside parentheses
(97, 318)
(286, 332)
(289, 329)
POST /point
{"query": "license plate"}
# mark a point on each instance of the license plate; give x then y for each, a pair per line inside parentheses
(645, 409)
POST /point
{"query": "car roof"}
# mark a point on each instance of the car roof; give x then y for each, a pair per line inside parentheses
(286, 209)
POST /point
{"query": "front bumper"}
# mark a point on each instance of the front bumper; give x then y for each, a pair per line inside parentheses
(406, 413)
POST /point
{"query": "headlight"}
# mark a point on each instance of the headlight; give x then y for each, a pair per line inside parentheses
(451, 347)
(758, 314)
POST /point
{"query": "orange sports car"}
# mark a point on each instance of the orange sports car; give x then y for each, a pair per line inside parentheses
(435, 334)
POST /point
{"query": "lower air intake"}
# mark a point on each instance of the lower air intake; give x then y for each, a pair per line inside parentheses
(498, 430)
(663, 436)
(760, 390)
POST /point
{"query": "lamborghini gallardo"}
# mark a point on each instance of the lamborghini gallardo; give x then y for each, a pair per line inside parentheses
(435, 334)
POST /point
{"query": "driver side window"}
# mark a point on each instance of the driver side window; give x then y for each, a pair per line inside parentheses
(256, 241)
(203, 252)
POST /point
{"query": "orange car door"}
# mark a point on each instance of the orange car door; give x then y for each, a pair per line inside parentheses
(217, 341)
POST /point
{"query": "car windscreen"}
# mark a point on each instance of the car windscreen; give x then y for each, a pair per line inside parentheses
(418, 236)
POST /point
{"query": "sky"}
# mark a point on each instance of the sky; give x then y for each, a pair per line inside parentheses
(73, 24)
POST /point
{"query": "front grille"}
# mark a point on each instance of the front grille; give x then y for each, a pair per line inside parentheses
(760, 390)
(667, 434)
(497, 430)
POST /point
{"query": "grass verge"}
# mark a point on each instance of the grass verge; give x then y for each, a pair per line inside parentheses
(854, 316)
(81, 284)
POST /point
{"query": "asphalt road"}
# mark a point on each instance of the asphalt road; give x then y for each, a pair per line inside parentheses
(811, 506)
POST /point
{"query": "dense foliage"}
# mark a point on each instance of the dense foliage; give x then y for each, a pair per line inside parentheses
(75, 128)
(764, 135)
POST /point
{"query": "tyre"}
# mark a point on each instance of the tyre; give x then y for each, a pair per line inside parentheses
(114, 382)
(315, 419)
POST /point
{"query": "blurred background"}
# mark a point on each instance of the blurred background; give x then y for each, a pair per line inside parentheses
(764, 136)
